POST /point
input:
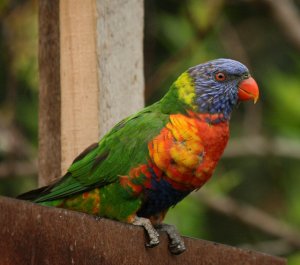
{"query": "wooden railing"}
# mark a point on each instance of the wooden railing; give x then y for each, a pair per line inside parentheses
(36, 235)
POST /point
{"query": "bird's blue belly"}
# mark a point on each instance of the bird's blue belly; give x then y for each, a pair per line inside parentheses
(160, 197)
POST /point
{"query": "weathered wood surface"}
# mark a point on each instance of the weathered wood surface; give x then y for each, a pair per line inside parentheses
(91, 75)
(79, 78)
(49, 93)
(120, 33)
(37, 235)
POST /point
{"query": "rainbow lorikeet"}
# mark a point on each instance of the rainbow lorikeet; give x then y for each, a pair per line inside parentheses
(151, 160)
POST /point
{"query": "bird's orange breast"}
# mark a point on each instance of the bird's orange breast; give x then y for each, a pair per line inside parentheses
(187, 150)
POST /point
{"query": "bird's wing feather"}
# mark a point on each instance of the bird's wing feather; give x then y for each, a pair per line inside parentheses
(123, 148)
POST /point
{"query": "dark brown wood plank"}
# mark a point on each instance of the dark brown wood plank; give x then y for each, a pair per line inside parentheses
(33, 234)
(49, 92)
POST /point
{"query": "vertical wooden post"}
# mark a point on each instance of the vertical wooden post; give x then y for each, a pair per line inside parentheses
(91, 75)
(49, 94)
(120, 28)
(79, 78)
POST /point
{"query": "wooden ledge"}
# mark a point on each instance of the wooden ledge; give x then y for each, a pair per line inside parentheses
(33, 234)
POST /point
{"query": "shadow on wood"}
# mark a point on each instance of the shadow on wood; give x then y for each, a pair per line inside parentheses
(33, 234)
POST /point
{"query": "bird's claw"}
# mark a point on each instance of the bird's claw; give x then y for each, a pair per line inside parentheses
(152, 243)
(176, 243)
(152, 233)
(177, 248)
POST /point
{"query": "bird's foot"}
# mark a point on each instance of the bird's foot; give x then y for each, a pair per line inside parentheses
(176, 243)
(152, 233)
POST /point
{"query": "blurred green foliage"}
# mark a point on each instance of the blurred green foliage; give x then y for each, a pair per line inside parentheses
(180, 34)
(18, 96)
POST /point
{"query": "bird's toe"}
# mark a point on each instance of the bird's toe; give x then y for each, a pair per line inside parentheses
(177, 247)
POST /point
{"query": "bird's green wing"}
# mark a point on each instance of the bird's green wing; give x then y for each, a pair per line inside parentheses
(123, 148)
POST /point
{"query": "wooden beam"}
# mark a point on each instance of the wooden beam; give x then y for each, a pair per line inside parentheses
(49, 94)
(91, 75)
(120, 28)
(33, 234)
(79, 78)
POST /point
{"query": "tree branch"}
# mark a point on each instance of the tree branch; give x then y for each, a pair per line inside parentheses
(261, 146)
(277, 247)
(251, 216)
(286, 14)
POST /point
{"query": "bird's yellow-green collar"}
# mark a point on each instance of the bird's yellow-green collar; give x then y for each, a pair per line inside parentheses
(186, 89)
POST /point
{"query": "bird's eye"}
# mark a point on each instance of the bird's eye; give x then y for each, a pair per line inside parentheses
(220, 76)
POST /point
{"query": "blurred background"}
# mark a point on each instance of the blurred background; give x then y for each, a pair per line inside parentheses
(253, 200)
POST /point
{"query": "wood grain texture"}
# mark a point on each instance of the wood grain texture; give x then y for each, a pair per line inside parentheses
(79, 80)
(49, 93)
(120, 26)
(37, 235)
(91, 75)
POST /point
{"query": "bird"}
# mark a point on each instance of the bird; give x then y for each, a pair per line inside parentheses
(151, 160)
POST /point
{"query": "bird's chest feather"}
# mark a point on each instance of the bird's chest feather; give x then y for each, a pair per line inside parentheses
(181, 159)
(187, 150)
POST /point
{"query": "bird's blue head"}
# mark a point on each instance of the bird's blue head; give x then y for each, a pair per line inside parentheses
(216, 86)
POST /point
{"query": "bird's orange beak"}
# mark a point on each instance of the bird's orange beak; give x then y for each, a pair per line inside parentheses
(248, 89)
